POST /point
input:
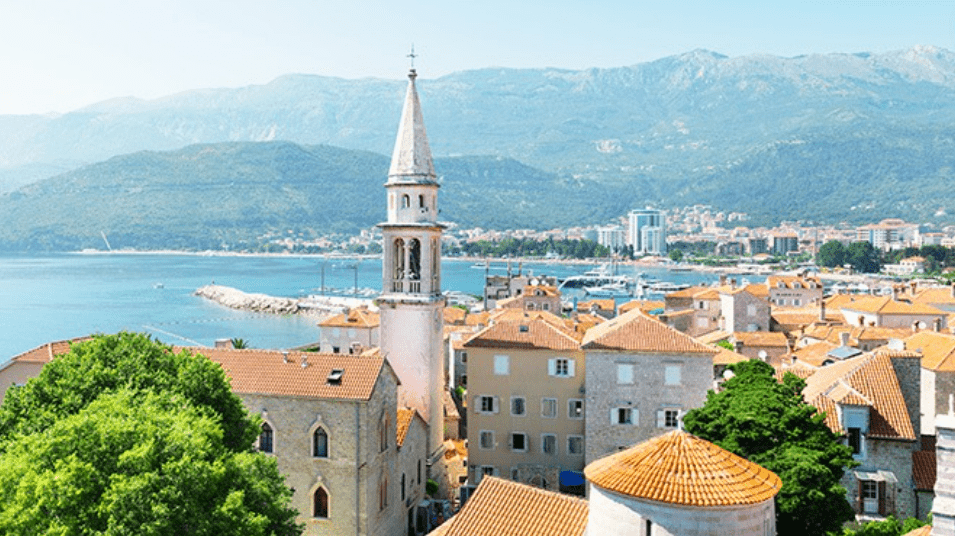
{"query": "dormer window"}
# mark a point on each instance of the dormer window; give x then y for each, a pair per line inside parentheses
(335, 376)
(855, 422)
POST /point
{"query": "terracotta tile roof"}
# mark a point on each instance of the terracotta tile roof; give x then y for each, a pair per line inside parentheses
(934, 295)
(355, 318)
(794, 317)
(856, 334)
(450, 409)
(790, 281)
(760, 291)
(709, 294)
(477, 319)
(637, 332)
(799, 368)
(677, 314)
(529, 331)
(687, 292)
(454, 315)
(886, 305)
(403, 423)
(727, 357)
(646, 306)
(265, 372)
(603, 305)
(921, 531)
(938, 350)
(46, 352)
(679, 468)
(923, 469)
(867, 380)
(504, 508)
(713, 337)
(816, 353)
(771, 339)
(545, 290)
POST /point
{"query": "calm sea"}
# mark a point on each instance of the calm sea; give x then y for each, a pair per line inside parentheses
(54, 297)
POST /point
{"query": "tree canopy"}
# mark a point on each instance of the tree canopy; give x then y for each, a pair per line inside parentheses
(122, 435)
(769, 423)
(832, 254)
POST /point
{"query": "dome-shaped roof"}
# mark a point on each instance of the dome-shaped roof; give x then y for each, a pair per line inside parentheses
(680, 468)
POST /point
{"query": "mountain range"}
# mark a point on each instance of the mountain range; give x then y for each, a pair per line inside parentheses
(829, 137)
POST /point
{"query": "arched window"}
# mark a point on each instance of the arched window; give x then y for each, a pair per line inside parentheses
(402, 486)
(383, 437)
(539, 482)
(265, 438)
(405, 201)
(320, 504)
(420, 201)
(320, 443)
(383, 493)
(399, 259)
(414, 259)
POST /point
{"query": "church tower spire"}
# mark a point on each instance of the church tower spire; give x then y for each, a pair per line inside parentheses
(411, 303)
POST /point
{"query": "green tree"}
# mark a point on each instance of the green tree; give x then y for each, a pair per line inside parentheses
(239, 343)
(121, 435)
(831, 254)
(887, 527)
(769, 423)
(863, 257)
(135, 463)
(676, 255)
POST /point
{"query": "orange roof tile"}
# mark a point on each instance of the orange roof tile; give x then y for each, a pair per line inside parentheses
(646, 306)
(530, 331)
(772, 339)
(938, 350)
(603, 305)
(687, 292)
(403, 422)
(790, 281)
(355, 318)
(816, 353)
(923, 469)
(727, 357)
(45, 353)
(454, 315)
(760, 291)
(504, 508)
(886, 305)
(637, 332)
(475, 319)
(679, 468)
(934, 295)
(713, 337)
(921, 531)
(871, 381)
(265, 372)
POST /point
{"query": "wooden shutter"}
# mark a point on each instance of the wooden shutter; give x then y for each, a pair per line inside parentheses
(661, 418)
(496, 403)
(570, 368)
(881, 497)
(552, 367)
(859, 503)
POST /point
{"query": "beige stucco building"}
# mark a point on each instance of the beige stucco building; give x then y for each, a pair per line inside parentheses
(349, 333)
(525, 400)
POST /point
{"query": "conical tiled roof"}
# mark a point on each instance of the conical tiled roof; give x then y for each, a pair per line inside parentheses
(411, 160)
(679, 468)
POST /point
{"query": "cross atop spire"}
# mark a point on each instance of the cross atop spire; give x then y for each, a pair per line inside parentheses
(412, 56)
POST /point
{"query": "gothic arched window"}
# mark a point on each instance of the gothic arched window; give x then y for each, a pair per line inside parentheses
(320, 503)
(414, 260)
(405, 201)
(265, 438)
(399, 259)
(320, 443)
(420, 201)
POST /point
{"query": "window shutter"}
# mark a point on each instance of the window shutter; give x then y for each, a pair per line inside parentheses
(635, 417)
(496, 404)
(881, 497)
(613, 415)
(552, 367)
(570, 367)
(859, 503)
(661, 418)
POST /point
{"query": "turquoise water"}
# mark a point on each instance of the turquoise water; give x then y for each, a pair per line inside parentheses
(54, 297)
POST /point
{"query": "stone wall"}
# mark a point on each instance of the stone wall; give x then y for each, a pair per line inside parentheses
(648, 395)
(894, 456)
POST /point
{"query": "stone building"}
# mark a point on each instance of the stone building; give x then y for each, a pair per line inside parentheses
(794, 290)
(888, 312)
(349, 333)
(641, 377)
(938, 374)
(525, 410)
(28, 365)
(873, 401)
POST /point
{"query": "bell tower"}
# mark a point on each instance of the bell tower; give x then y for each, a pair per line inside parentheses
(411, 304)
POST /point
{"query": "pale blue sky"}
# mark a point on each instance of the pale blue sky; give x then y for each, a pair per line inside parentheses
(58, 55)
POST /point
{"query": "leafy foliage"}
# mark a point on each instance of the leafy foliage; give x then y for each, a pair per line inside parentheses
(832, 254)
(769, 423)
(887, 527)
(123, 436)
(526, 247)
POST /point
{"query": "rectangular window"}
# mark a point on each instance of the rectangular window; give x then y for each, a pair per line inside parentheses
(575, 444)
(517, 406)
(671, 375)
(751, 310)
(870, 496)
(464, 357)
(668, 418)
(854, 437)
(487, 404)
(624, 416)
(502, 365)
(561, 367)
(519, 441)
(487, 439)
(549, 408)
(624, 373)
(549, 444)
(575, 408)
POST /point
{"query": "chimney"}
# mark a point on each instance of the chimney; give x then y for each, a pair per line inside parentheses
(285, 356)
(738, 347)
(908, 370)
(822, 310)
(937, 325)
(733, 283)
(895, 293)
(225, 344)
(844, 338)
(304, 361)
(723, 283)
(915, 286)
(915, 326)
